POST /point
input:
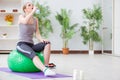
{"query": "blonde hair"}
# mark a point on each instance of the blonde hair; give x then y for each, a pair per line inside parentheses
(24, 6)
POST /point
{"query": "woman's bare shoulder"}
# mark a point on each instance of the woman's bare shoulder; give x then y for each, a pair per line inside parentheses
(21, 16)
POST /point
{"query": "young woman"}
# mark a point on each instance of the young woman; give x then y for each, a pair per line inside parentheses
(28, 25)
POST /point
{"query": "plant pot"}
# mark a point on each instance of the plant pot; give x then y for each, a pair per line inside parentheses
(91, 52)
(9, 23)
(4, 35)
(65, 50)
(15, 10)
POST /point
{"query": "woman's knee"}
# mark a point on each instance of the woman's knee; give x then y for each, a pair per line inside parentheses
(48, 45)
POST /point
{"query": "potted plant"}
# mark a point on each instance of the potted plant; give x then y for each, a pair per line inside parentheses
(44, 22)
(4, 35)
(9, 18)
(67, 30)
(89, 30)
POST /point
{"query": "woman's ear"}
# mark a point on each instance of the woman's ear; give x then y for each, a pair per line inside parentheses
(24, 10)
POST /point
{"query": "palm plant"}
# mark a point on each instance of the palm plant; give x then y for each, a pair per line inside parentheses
(67, 30)
(43, 20)
(89, 31)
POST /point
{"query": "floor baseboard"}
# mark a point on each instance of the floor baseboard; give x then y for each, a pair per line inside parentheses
(70, 52)
(107, 51)
(76, 51)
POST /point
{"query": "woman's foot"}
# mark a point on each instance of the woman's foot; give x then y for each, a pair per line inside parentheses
(51, 65)
(48, 72)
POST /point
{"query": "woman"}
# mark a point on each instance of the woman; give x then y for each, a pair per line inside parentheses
(28, 25)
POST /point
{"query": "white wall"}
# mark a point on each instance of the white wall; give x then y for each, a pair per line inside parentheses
(107, 24)
(76, 6)
(117, 28)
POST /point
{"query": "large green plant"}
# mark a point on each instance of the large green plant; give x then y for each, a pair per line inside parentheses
(43, 20)
(67, 30)
(89, 30)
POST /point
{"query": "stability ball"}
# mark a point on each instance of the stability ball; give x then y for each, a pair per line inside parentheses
(17, 62)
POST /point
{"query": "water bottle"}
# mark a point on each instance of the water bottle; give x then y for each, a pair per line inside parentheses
(81, 75)
(37, 11)
(75, 74)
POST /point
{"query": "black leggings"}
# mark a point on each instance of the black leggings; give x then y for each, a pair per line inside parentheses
(29, 49)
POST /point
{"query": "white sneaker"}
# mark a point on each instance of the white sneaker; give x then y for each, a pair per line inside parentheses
(48, 72)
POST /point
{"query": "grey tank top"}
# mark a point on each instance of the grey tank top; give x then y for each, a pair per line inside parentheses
(26, 32)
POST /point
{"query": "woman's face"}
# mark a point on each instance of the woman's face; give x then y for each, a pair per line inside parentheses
(29, 7)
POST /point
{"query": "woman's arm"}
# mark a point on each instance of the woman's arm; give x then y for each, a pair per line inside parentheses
(38, 36)
(25, 19)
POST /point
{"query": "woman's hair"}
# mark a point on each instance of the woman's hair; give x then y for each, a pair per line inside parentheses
(24, 6)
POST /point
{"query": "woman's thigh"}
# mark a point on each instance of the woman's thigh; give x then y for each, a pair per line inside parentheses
(40, 46)
(26, 50)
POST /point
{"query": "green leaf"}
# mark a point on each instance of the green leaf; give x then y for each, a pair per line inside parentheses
(67, 30)
(45, 26)
(92, 22)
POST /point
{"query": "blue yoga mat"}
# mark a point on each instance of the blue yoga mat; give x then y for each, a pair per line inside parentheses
(35, 75)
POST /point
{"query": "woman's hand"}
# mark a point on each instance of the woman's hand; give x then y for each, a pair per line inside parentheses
(44, 41)
(34, 8)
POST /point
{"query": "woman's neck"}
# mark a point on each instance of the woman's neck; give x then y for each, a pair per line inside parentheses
(26, 14)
